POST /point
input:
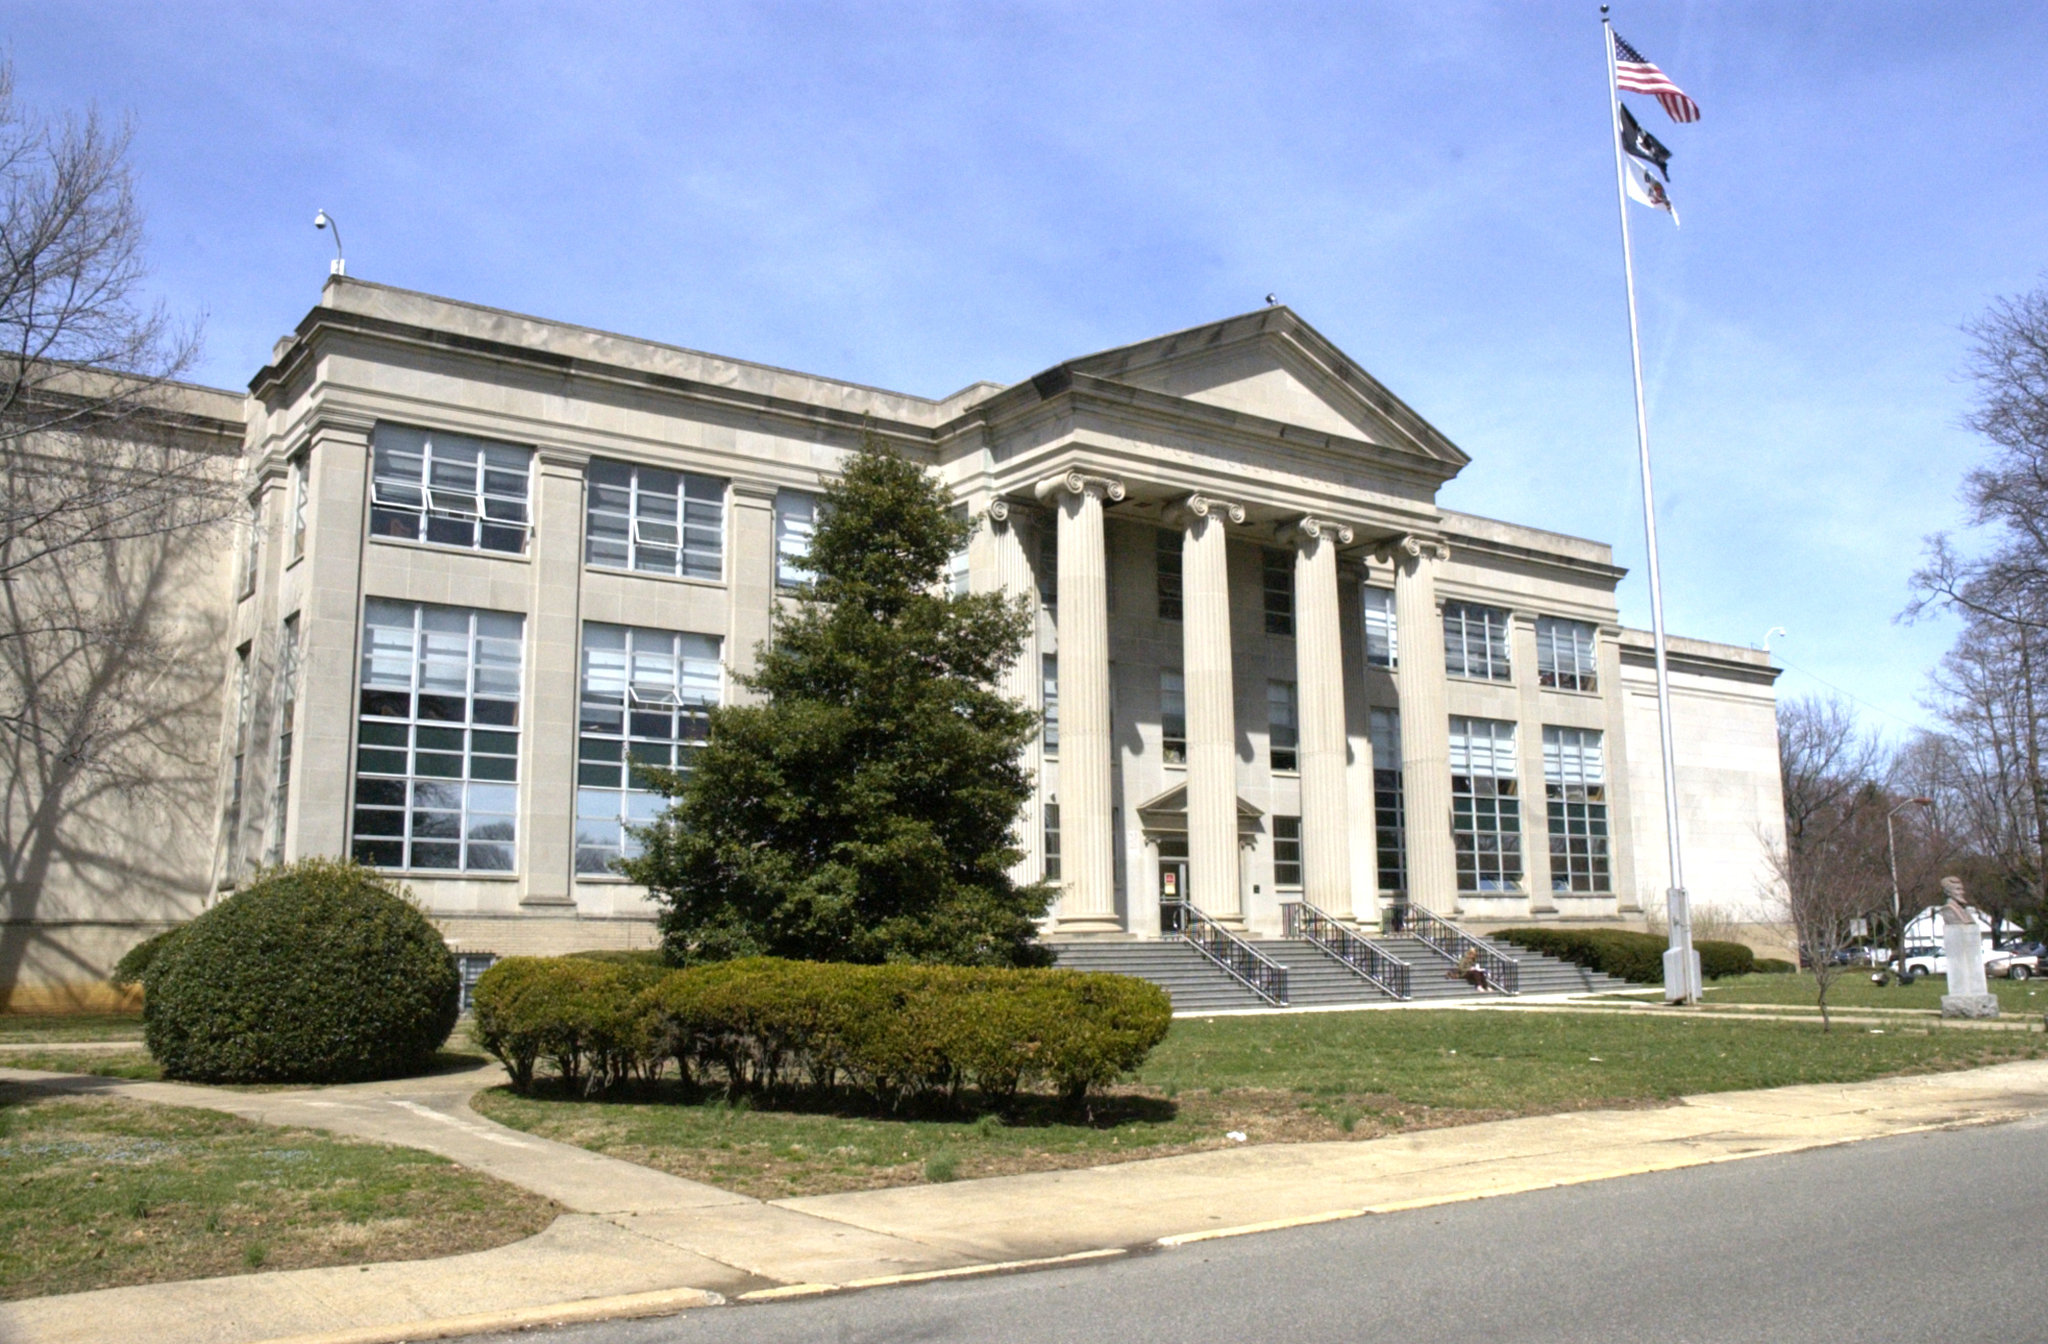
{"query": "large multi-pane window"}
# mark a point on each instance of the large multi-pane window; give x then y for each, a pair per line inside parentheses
(437, 744)
(1476, 641)
(449, 489)
(301, 467)
(647, 699)
(1389, 828)
(1166, 557)
(1049, 563)
(656, 521)
(796, 521)
(232, 823)
(1173, 718)
(252, 551)
(1486, 817)
(959, 565)
(1287, 851)
(287, 717)
(1575, 795)
(1283, 726)
(1382, 642)
(1051, 833)
(1049, 680)
(1277, 580)
(1565, 654)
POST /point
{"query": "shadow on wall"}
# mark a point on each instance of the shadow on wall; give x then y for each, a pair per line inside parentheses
(111, 674)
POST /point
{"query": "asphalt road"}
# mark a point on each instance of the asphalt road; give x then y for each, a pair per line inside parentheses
(1926, 1237)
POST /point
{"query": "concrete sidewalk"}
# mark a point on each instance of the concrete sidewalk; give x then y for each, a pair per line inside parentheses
(637, 1240)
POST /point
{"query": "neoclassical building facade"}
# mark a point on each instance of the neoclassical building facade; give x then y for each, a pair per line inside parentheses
(493, 562)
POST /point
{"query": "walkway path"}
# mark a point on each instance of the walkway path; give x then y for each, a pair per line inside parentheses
(636, 1240)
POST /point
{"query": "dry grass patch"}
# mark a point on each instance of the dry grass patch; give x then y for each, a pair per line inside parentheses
(97, 1192)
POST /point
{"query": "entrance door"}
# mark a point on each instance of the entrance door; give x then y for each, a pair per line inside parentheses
(1173, 893)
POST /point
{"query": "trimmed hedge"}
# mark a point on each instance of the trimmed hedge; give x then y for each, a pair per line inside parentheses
(136, 961)
(314, 973)
(1627, 955)
(893, 1032)
(1773, 966)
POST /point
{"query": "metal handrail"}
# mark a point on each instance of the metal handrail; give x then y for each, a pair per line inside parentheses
(1254, 969)
(1363, 956)
(1452, 943)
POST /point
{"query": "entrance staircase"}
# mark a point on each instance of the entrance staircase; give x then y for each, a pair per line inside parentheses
(1317, 977)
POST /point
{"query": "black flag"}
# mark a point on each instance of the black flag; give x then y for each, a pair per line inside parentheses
(1639, 143)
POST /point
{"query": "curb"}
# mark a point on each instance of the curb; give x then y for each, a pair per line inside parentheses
(628, 1306)
(789, 1290)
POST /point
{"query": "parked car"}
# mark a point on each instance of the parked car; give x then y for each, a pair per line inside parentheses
(2022, 961)
(1922, 960)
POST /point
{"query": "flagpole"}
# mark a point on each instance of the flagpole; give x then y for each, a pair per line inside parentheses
(1683, 986)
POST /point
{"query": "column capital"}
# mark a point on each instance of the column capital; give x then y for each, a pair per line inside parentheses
(1410, 547)
(1078, 482)
(1199, 505)
(1308, 529)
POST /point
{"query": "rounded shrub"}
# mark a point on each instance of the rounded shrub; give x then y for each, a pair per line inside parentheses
(318, 972)
(1719, 958)
(136, 961)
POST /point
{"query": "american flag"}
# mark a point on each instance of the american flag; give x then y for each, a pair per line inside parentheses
(1638, 75)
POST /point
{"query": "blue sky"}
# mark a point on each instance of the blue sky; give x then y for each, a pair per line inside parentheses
(922, 196)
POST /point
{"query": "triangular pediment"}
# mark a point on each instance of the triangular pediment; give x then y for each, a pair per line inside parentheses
(1168, 811)
(1271, 366)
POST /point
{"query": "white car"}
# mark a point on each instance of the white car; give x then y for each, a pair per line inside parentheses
(2020, 962)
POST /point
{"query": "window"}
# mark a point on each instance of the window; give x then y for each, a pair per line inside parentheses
(301, 467)
(1049, 563)
(1575, 795)
(1390, 831)
(233, 819)
(1486, 818)
(1166, 555)
(449, 489)
(437, 746)
(1173, 718)
(1049, 671)
(252, 552)
(655, 521)
(287, 714)
(1278, 576)
(959, 570)
(647, 697)
(1382, 645)
(1476, 641)
(796, 521)
(1564, 655)
(1052, 840)
(1283, 727)
(1286, 851)
(470, 968)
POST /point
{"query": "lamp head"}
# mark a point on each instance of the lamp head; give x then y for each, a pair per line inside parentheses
(320, 220)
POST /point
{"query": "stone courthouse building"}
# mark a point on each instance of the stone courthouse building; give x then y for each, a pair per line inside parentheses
(492, 561)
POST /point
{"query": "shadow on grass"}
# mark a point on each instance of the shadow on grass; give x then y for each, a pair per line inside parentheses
(1025, 1110)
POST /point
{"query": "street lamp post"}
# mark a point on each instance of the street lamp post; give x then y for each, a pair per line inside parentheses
(1891, 845)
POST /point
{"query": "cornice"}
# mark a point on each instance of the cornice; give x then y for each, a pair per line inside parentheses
(1465, 541)
(323, 320)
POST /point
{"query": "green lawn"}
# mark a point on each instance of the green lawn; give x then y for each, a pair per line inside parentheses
(1852, 989)
(25, 1028)
(135, 1064)
(1274, 1079)
(98, 1192)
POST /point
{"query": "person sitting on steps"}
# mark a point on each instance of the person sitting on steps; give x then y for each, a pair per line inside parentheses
(1469, 970)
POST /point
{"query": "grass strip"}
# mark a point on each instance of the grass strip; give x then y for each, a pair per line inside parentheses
(1270, 1079)
(1853, 989)
(37, 1028)
(97, 1192)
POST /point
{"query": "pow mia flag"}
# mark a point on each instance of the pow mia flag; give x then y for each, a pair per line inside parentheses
(1638, 143)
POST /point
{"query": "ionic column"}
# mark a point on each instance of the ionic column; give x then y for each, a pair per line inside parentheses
(1021, 681)
(1425, 726)
(1087, 860)
(1211, 706)
(1319, 688)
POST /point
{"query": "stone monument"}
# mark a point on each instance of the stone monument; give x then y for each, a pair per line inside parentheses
(1964, 946)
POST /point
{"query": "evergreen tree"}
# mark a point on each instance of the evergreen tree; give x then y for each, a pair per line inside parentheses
(862, 811)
